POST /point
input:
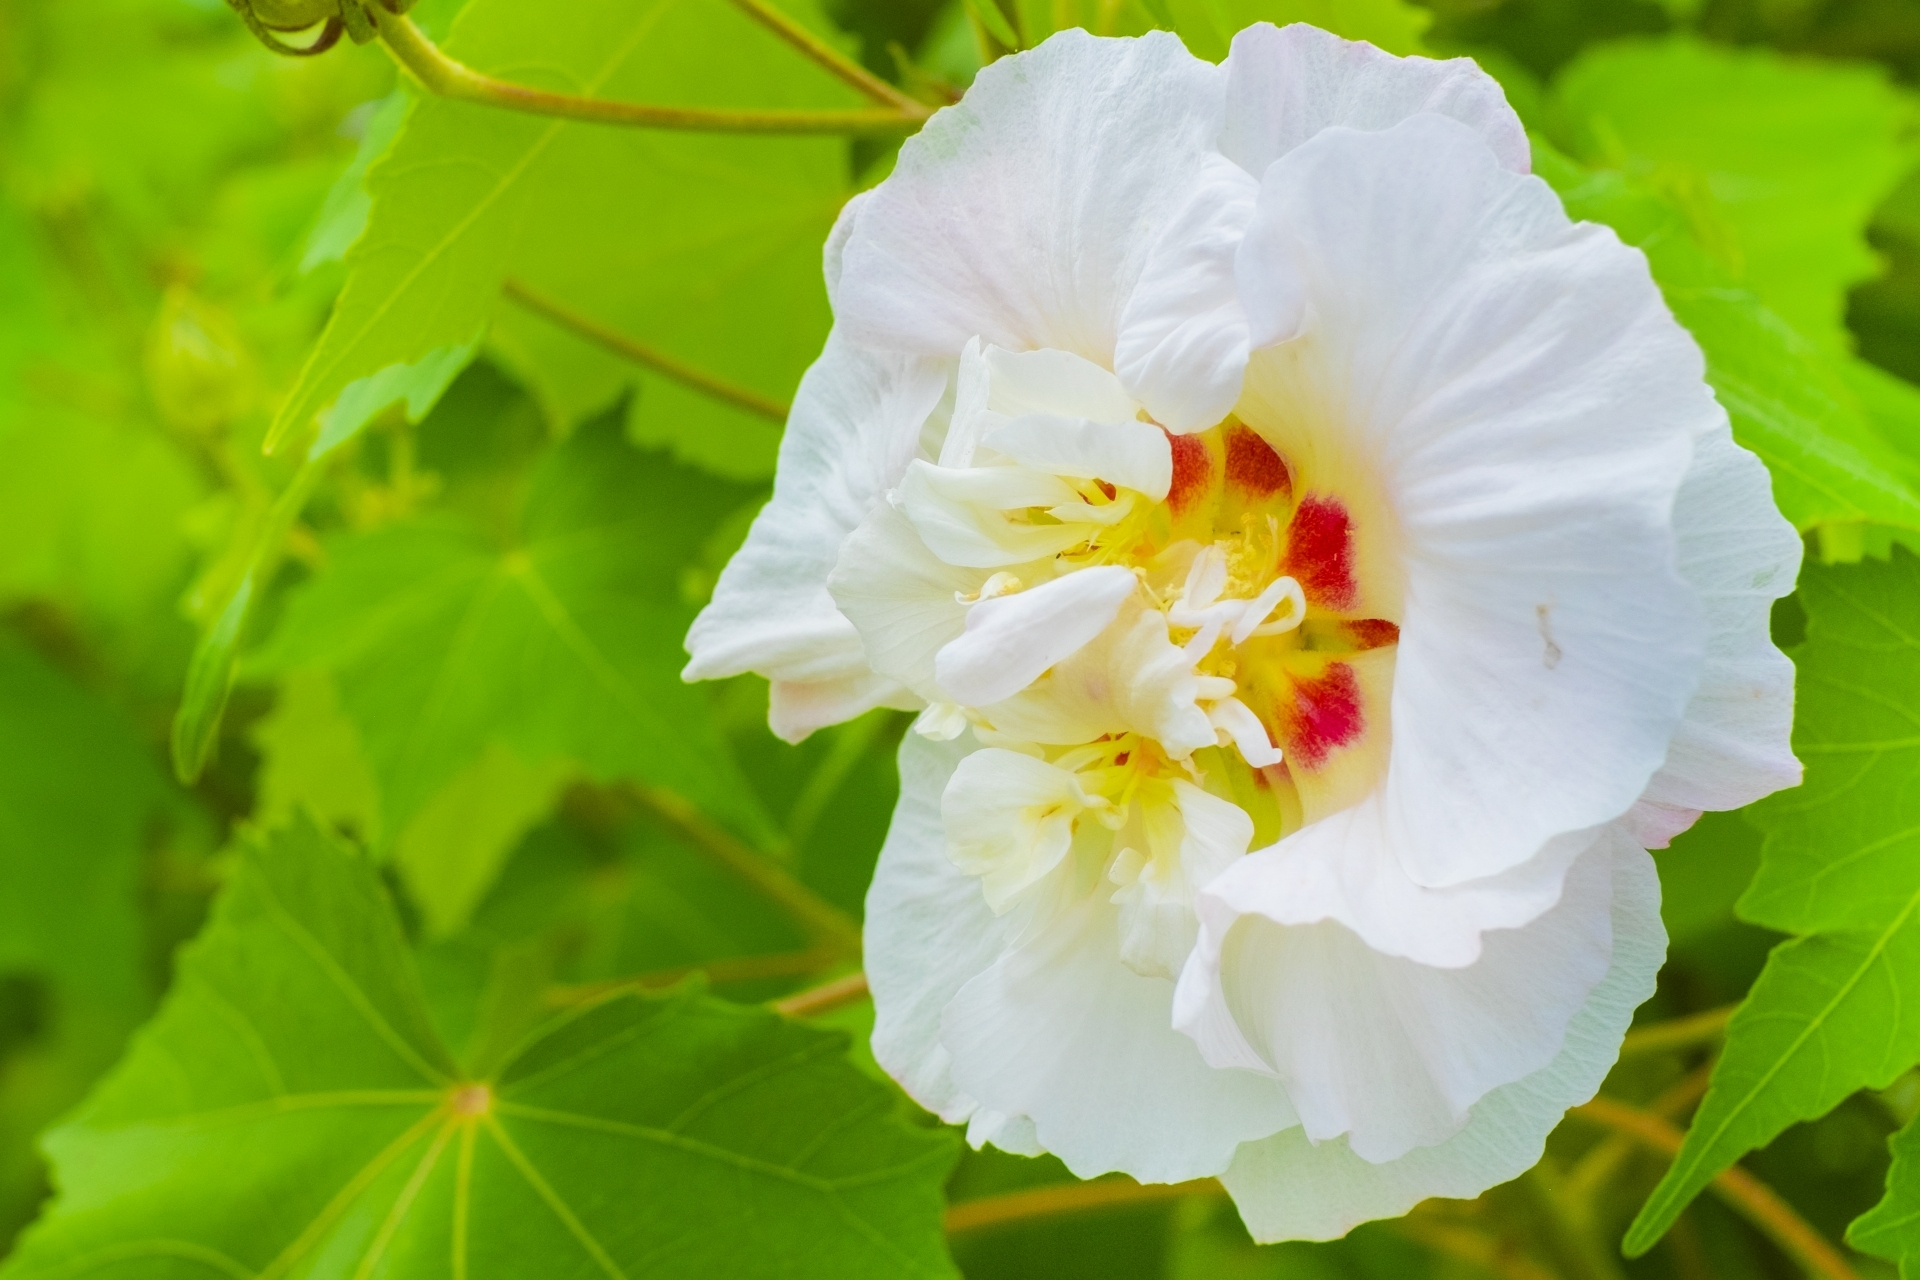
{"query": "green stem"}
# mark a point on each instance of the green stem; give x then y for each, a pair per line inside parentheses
(779, 964)
(830, 58)
(824, 998)
(1069, 1198)
(647, 357)
(1679, 1033)
(1570, 1234)
(1597, 1167)
(849, 742)
(203, 700)
(1743, 1193)
(1065, 1199)
(826, 923)
(441, 75)
(1476, 1248)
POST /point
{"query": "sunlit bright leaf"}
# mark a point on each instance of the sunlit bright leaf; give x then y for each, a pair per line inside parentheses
(295, 1069)
(1787, 401)
(1782, 161)
(564, 644)
(1838, 1007)
(1891, 1230)
(703, 245)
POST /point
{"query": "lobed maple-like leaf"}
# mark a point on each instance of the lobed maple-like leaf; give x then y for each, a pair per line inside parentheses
(292, 1112)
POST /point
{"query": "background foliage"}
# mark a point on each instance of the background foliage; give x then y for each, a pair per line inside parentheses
(376, 901)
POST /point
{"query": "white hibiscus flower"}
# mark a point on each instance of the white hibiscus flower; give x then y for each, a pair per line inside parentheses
(1324, 572)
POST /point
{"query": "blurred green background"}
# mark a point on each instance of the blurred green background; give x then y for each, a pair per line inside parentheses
(174, 205)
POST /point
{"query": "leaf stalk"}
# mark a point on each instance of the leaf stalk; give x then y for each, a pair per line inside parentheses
(1452, 1240)
(824, 998)
(645, 356)
(1069, 1198)
(1678, 1033)
(1745, 1194)
(447, 78)
(835, 62)
(827, 924)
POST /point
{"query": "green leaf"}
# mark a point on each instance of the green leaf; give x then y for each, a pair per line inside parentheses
(1703, 873)
(1208, 26)
(417, 386)
(1891, 1229)
(1788, 402)
(1835, 1009)
(704, 246)
(563, 645)
(90, 514)
(210, 672)
(450, 853)
(343, 218)
(987, 13)
(128, 101)
(78, 790)
(1784, 159)
(91, 504)
(311, 761)
(292, 1111)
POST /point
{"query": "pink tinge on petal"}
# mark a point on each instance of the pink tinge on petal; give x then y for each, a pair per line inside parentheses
(1320, 553)
(1253, 467)
(795, 708)
(1654, 825)
(1192, 473)
(1328, 713)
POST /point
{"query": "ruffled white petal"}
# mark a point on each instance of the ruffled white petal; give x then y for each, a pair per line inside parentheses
(1056, 1046)
(1286, 84)
(1025, 213)
(928, 931)
(1009, 821)
(1010, 640)
(1344, 869)
(964, 514)
(1131, 679)
(1740, 554)
(1132, 454)
(832, 258)
(1058, 1029)
(902, 598)
(1389, 1052)
(855, 425)
(795, 708)
(1182, 345)
(1290, 1188)
(1059, 383)
(1528, 407)
(1200, 836)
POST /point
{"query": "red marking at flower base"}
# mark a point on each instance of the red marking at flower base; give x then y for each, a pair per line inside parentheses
(1192, 470)
(1326, 715)
(1372, 633)
(1320, 553)
(1252, 464)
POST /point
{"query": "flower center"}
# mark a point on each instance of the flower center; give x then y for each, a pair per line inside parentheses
(1170, 648)
(1256, 577)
